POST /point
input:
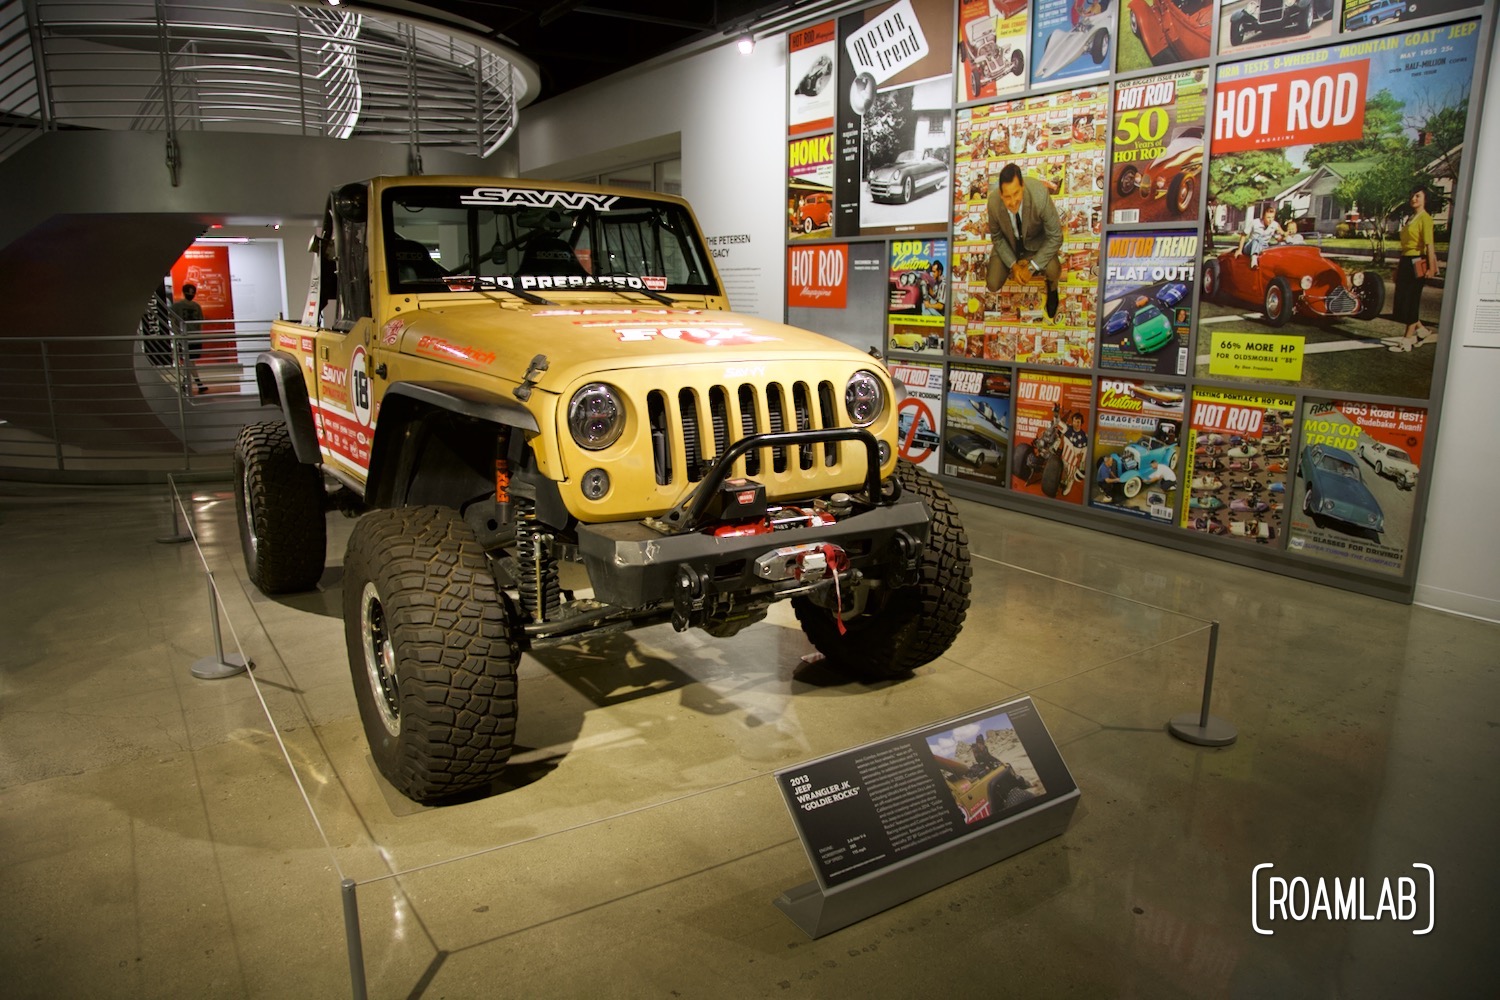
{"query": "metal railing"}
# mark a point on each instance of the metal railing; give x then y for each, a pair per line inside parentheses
(165, 399)
(248, 66)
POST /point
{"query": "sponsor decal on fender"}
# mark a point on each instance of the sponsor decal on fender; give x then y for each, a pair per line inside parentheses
(390, 334)
(342, 437)
(287, 341)
(708, 336)
(443, 350)
(335, 383)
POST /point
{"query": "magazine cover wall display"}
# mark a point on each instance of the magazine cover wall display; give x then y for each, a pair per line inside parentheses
(993, 40)
(1042, 308)
(919, 417)
(895, 118)
(1148, 300)
(809, 187)
(1052, 442)
(810, 53)
(1356, 475)
(838, 289)
(1331, 174)
(1071, 40)
(1361, 14)
(1137, 448)
(918, 294)
(1237, 455)
(1253, 24)
(1162, 32)
(978, 424)
(1156, 164)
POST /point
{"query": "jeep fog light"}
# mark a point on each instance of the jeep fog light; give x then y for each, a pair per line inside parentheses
(596, 416)
(885, 453)
(864, 399)
(595, 483)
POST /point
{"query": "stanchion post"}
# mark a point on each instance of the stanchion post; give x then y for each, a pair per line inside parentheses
(1203, 729)
(178, 536)
(218, 666)
(352, 939)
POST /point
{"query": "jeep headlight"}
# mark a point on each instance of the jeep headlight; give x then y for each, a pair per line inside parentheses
(864, 399)
(596, 416)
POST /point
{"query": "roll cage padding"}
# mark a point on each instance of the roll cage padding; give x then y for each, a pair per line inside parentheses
(408, 411)
(278, 377)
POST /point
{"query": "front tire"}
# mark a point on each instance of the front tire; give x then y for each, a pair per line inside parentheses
(1129, 182)
(901, 630)
(433, 648)
(1131, 486)
(1278, 302)
(1182, 193)
(278, 502)
(1373, 299)
(1052, 476)
(908, 188)
(807, 225)
(1210, 280)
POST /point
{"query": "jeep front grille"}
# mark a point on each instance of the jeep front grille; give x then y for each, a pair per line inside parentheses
(691, 428)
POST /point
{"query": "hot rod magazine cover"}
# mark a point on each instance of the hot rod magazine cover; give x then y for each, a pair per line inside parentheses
(919, 417)
(1237, 457)
(1137, 459)
(1052, 442)
(1156, 163)
(978, 423)
(1056, 141)
(993, 42)
(1330, 180)
(1148, 301)
(918, 295)
(810, 60)
(1356, 475)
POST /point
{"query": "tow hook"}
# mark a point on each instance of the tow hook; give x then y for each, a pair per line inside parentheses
(807, 563)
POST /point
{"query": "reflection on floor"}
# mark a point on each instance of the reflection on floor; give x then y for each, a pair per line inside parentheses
(154, 843)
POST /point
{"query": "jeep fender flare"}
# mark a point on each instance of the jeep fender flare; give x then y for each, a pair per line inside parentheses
(409, 411)
(278, 378)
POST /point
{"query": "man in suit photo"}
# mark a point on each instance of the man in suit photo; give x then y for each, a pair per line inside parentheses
(1026, 234)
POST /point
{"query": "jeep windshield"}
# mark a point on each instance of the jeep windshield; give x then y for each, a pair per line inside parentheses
(461, 239)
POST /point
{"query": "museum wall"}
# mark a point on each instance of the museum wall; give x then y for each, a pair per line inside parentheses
(730, 112)
(1457, 571)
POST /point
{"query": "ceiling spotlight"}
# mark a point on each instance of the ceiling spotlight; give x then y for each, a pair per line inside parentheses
(746, 44)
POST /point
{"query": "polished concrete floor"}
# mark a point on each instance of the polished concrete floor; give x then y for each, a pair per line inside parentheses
(154, 842)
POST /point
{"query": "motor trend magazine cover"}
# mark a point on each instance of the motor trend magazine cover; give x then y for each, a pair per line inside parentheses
(1052, 446)
(1149, 278)
(977, 420)
(994, 39)
(919, 417)
(1056, 140)
(1324, 165)
(1356, 476)
(1137, 460)
(894, 126)
(1156, 163)
(1237, 458)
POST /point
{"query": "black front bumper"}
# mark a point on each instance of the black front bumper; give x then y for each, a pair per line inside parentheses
(633, 566)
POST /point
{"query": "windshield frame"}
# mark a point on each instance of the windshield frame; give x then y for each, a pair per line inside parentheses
(531, 241)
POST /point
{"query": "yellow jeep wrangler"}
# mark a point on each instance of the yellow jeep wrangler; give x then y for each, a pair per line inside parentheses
(506, 376)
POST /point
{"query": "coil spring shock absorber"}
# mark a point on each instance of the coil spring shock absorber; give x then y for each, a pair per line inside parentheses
(540, 593)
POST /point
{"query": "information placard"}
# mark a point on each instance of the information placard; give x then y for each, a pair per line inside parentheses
(908, 797)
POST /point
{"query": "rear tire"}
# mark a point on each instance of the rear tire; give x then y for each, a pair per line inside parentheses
(1210, 280)
(433, 649)
(1052, 476)
(901, 630)
(278, 502)
(1374, 298)
(1278, 302)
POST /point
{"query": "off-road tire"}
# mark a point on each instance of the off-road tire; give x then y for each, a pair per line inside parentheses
(279, 503)
(1016, 796)
(901, 630)
(433, 649)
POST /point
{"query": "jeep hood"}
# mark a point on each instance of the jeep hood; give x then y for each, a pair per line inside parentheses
(587, 339)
